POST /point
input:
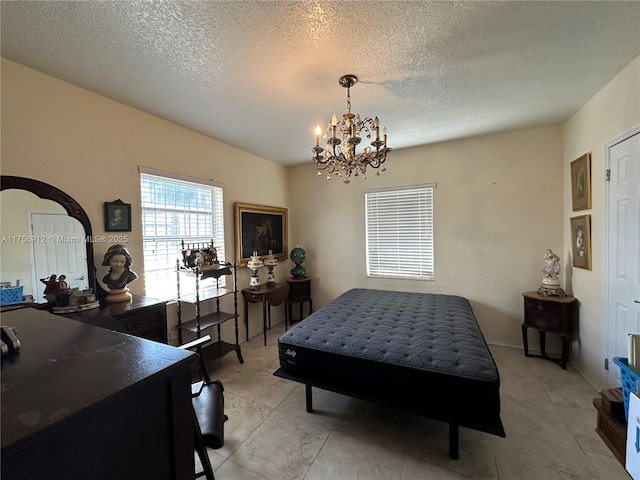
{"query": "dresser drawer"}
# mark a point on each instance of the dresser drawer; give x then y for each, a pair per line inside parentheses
(299, 290)
(253, 297)
(147, 322)
(548, 316)
(539, 318)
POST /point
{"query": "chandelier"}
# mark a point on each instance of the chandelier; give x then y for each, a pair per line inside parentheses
(340, 157)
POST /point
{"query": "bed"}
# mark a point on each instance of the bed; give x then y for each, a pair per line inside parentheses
(420, 352)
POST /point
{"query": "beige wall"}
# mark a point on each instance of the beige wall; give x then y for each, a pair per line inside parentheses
(91, 147)
(498, 207)
(612, 111)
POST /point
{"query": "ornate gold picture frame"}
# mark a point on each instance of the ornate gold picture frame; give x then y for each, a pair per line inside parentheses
(581, 183)
(260, 229)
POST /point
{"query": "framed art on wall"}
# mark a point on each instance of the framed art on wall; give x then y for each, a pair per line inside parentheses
(117, 216)
(581, 183)
(260, 229)
(581, 241)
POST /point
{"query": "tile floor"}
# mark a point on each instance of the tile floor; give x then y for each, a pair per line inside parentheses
(546, 411)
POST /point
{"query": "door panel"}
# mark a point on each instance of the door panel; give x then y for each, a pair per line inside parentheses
(623, 254)
(62, 253)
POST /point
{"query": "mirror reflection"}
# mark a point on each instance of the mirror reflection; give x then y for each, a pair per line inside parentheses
(39, 239)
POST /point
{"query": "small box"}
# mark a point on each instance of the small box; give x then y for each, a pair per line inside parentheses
(11, 295)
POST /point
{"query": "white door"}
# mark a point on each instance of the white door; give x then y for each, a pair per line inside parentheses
(61, 250)
(622, 276)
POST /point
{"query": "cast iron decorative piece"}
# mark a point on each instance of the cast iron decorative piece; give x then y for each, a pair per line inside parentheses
(343, 161)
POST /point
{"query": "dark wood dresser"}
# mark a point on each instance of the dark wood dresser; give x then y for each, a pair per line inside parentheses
(80, 402)
(142, 316)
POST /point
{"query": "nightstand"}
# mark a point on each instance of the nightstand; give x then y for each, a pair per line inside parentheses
(548, 314)
(299, 292)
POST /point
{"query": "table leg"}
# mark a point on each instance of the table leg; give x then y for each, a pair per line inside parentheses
(543, 348)
(264, 320)
(566, 343)
(246, 316)
(525, 340)
(286, 313)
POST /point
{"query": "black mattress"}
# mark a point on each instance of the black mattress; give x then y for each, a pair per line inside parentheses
(423, 352)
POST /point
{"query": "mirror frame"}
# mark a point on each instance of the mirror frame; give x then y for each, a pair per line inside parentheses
(73, 208)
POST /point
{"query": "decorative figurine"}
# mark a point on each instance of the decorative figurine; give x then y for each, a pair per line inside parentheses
(51, 288)
(255, 264)
(297, 256)
(550, 285)
(118, 260)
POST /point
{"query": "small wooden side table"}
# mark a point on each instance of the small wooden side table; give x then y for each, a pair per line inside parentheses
(268, 296)
(549, 314)
(299, 292)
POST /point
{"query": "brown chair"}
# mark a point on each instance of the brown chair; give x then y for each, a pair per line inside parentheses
(207, 398)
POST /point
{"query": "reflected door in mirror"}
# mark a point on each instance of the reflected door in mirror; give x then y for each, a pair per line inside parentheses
(65, 254)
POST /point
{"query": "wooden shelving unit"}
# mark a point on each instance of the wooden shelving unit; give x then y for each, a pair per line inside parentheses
(209, 292)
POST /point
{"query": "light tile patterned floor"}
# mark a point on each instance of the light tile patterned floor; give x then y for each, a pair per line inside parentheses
(546, 411)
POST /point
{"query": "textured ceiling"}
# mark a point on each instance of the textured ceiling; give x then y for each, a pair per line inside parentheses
(259, 75)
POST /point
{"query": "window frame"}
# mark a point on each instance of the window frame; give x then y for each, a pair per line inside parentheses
(381, 265)
(158, 282)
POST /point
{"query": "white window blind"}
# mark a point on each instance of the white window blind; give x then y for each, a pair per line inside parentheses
(399, 232)
(174, 210)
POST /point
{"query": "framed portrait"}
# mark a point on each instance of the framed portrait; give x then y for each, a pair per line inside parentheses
(117, 216)
(260, 229)
(581, 241)
(581, 183)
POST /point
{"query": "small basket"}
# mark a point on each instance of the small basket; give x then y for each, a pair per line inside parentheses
(9, 295)
(629, 380)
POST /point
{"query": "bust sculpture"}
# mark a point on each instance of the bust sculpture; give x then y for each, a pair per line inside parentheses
(119, 261)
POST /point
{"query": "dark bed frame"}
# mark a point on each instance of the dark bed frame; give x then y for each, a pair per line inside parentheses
(376, 397)
(432, 401)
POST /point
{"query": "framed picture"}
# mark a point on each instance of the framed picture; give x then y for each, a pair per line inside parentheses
(581, 183)
(581, 241)
(260, 229)
(117, 216)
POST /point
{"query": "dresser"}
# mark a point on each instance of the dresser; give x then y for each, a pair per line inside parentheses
(142, 316)
(76, 403)
(549, 314)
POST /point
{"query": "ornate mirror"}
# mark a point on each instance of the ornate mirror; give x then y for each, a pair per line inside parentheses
(27, 261)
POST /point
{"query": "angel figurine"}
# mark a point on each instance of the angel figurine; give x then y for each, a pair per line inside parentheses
(551, 282)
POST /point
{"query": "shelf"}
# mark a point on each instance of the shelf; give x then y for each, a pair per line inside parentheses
(205, 294)
(208, 271)
(218, 349)
(207, 321)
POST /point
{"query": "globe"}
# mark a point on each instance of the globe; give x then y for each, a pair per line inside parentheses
(297, 256)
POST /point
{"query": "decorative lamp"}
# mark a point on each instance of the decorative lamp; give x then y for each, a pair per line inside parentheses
(255, 264)
(297, 256)
(550, 285)
(344, 161)
(270, 262)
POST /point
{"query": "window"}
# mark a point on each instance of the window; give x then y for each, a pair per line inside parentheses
(399, 231)
(173, 210)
